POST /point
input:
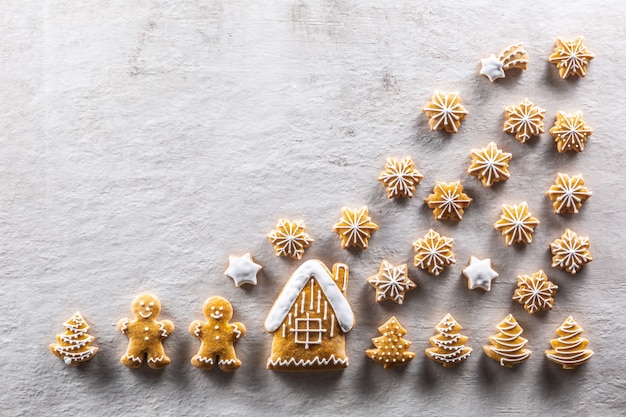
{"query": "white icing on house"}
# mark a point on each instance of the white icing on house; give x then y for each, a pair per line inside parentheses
(298, 280)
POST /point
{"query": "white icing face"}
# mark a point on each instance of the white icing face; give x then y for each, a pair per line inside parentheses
(218, 308)
(145, 306)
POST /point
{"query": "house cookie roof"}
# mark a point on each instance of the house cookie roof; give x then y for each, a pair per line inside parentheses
(310, 269)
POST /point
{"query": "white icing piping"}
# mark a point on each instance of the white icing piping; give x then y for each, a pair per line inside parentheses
(279, 362)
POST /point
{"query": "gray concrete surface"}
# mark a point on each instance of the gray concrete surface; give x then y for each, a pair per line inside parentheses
(142, 142)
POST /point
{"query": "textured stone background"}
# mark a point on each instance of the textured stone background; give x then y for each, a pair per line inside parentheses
(142, 142)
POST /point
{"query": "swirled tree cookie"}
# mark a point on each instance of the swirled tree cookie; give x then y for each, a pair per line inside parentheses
(448, 200)
(75, 346)
(524, 120)
(570, 252)
(400, 177)
(433, 252)
(290, 238)
(515, 56)
(391, 282)
(217, 336)
(570, 132)
(391, 349)
(568, 193)
(516, 224)
(479, 274)
(445, 111)
(449, 345)
(490, 164)
(145, 334)
(508, 346)
(571, 57)
(569, 349)
(535, 292)
(355, 227)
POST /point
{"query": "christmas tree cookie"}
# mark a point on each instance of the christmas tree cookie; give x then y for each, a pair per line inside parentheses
(75, 346)
(217, 336)
(569, 349)
(145, 334)
(449, 345)
(391, 349)
(508, 346)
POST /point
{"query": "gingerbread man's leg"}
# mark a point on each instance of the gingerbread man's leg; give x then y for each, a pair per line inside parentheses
(157, 358)
(228, 360)
(205, 359)
(133, 357)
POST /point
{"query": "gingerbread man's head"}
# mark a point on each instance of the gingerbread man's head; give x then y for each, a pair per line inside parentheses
(218, 308)
(146, 306)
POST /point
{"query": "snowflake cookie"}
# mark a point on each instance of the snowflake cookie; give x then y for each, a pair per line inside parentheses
(391, 349)
(75, 346)
(391, 282)
(512, 57)
(568, 193)
(535, 292)
(570, 132)
(355, 227)
(448, 200)
(508, 346)
(524, 120)
(433, 252)
(570, 252)
(449, 345)
(400, 177)
(490, 164)
(145, 334)
(479, 274)
(217, 336)
(569, 349)
(290, 238)
(516, 223)
(571, 57)
(445, 111)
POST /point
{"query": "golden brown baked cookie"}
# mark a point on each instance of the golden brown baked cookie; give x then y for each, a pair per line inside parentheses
(290, 238)
(535, 292)
(570, 132)
(433, 252)
(445, 111)
(508, 346)
(448, 200)
(449, 345)
(516, 223)
(490, 164)
(400, 177)
(569, 349)
(568, 193)
(571, 57)
(391, 349)
(217, 336)
(524, 120)
(309, 320)
(145, 334)
(355, 227)
(76, 345)
(515, 56)
(570, 252)
(391, 282)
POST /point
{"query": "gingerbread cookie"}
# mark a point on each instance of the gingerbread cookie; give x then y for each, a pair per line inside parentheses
(75, 346)
(433, 252)
(290, 238)
(524, 120)
(570, 252)
(449, 345)
(448, 200)
(310, 319)
(355, 227)
(445, 111)
(217, 336)
(569, 349)
(145, 334)
(535, 292)
(391, 349)
(571, 57)
(391, 282)
(516, 223)
(570, 132)
(515, 56)
(490, 164)
(400, 177)
(508, 346)
(568, 193)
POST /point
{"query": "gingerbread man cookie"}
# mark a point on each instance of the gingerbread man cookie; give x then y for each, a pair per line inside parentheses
(145, 334)
(217, 336)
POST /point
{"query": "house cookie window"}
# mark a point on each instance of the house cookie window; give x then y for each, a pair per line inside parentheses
(308, 331)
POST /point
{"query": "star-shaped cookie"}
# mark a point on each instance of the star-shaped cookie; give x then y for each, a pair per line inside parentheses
(242, 269)
(391, 282)
(571, 57)
(355, 227)
(448, 200)
(490, 164)
(479, 274)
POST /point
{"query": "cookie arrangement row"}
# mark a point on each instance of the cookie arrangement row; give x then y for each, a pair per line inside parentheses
(217, 337)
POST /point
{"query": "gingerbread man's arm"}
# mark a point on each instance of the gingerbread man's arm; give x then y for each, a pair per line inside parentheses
(166, 327)
(122, 326)
(238, 330)
(195, 328)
